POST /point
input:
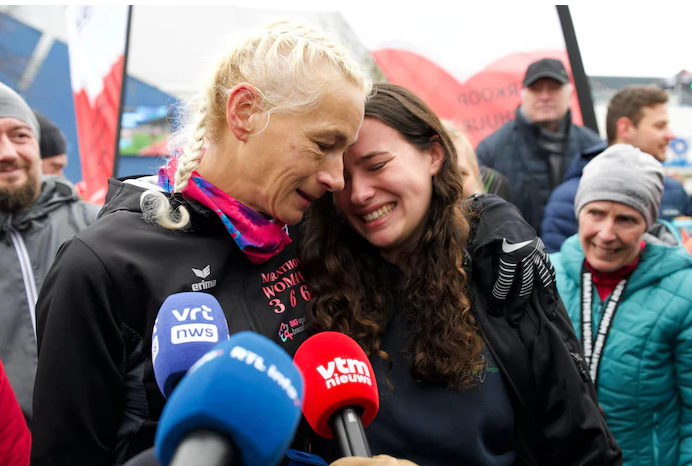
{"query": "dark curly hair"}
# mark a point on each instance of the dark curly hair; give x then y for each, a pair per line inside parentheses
(344, 271)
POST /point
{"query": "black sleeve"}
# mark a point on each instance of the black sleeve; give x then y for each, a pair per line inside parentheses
(494, 182)
(492, 221)
(559, 418)
(572, 425)
(78, 396)
(502, 187)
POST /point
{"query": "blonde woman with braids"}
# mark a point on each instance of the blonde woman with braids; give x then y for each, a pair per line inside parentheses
(403, 263)
(263, 141)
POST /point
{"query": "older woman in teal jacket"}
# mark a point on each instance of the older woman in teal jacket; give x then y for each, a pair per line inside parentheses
(629, 296)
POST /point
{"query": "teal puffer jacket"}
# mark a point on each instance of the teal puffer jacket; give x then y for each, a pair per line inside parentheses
(645, 377)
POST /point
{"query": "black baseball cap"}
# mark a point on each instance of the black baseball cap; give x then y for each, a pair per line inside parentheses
(546, 68)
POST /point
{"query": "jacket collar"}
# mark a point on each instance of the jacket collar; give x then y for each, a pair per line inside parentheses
(125, 193)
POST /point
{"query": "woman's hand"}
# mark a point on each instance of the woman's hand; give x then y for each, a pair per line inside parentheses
(379, 460)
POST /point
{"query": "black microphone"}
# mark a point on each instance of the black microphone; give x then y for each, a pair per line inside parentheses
(349, 433)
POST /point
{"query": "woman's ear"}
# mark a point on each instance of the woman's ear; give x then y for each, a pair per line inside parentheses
(437, 155)
(242, 106)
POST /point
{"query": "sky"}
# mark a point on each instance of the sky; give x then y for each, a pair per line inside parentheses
(642, 40)
(170, 45)
(615, 39)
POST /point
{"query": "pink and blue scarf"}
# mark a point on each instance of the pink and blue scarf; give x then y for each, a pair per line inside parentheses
(257, 236)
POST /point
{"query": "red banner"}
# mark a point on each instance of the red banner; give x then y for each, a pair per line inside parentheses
(481, 104)
(97, 37)
(466, 60)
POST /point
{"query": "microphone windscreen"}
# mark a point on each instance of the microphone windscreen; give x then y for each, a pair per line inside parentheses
(187, 326)
(337, 374)
(247, 389)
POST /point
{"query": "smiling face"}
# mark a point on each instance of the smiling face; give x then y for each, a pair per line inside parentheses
(388, 187)
(300, 157)
(652, 134)
(278, 163)
(610, 234)
(20, 165)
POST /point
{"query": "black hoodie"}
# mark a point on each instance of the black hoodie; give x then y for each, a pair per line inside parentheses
(96, 401)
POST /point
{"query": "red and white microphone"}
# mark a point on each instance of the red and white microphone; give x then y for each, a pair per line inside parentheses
(341, 396)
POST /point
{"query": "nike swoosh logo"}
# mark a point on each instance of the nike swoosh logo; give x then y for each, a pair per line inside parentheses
(509, 247)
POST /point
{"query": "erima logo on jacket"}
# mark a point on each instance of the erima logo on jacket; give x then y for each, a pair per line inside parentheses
(341, 371)
(204, 284)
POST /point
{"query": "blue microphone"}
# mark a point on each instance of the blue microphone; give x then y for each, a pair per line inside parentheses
(240, 404)
(187, 326)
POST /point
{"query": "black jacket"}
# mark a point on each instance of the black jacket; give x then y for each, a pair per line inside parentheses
(557, 420)
(557, 417)
(96, 401)
(513, 151)
(496, 183)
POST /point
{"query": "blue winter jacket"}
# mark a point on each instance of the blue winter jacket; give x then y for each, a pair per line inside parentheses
(645, 376)
(560, 221)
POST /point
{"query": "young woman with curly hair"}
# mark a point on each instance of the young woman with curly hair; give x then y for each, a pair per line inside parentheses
(401, 262)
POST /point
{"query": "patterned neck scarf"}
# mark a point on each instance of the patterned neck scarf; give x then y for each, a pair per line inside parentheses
(258, 237)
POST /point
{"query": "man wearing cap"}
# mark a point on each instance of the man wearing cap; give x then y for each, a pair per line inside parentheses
(626, 284)
(37, 214)
(53, 146)
(637, 115)
(535, 149)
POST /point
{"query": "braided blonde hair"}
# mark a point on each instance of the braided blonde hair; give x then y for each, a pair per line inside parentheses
(288, 62)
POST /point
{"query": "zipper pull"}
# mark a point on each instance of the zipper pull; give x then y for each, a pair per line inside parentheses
(579, 362)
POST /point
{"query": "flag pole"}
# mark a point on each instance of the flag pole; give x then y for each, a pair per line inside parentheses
(581, 81)
(123, 89)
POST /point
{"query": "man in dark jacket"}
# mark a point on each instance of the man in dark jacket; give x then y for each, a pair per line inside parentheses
(637, 115)
(535, 149)
(37, 213)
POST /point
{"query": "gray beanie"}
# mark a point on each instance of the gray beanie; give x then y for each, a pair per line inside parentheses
(13, 106)
(622, 173)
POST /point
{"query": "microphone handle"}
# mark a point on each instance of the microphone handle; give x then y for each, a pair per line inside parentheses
(349, 433)
(145, 458)
(205, 448)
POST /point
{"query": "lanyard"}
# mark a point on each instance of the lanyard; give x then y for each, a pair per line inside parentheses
(593, 350)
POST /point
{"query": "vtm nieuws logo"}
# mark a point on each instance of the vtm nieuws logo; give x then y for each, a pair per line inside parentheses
(195, 331)
(204, 284)
(341, 371)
